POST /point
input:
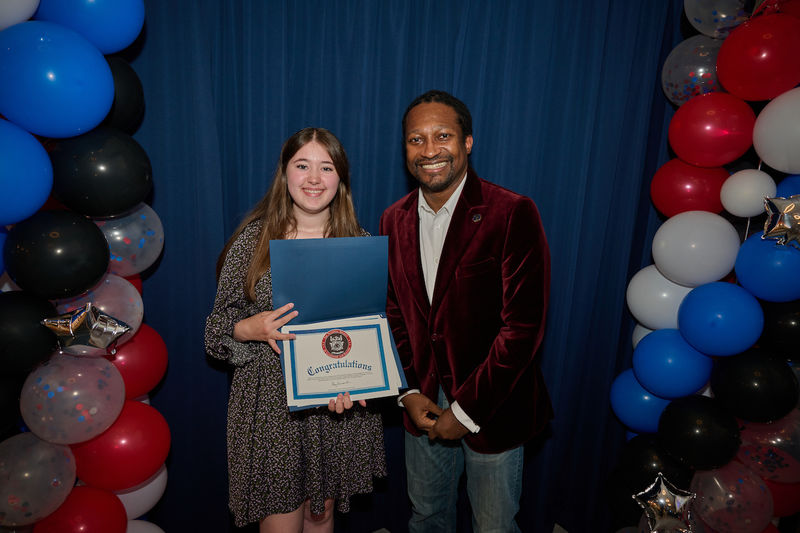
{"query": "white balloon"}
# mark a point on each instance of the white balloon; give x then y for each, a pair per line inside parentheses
(743, 192)
(776, 135)
(140, 526)
(653, 299)
(695, 247)
(143, 497)
(639, 332)
(16, 11)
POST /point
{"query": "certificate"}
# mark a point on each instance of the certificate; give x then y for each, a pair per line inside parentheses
(327, 358)
(343, 342)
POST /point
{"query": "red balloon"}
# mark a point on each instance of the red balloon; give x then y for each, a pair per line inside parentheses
(127, 453)
(679, 187)
(86, 510)
(142, 361)
(785, 497)
(759, 59)
(712, 129)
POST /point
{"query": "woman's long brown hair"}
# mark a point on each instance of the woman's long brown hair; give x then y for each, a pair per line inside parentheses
(275, 207)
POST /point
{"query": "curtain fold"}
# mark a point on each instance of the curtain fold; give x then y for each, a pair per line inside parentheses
(567, 109)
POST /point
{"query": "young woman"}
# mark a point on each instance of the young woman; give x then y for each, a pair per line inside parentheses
(286, 470)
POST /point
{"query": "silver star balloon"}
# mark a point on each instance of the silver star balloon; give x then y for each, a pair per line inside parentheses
(783, 219)
(86, 331)
(667, 507)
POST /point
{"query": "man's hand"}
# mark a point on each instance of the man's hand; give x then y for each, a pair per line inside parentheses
(447, 427)
(418, 407)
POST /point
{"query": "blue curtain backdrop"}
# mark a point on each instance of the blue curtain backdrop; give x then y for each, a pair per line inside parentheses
(567, 109)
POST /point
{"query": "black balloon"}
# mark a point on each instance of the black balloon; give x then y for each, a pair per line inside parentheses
(128, 107)
(755, 385)
(698, 431)
(56, 254)
(619, 497)
(642, 458)
(102, 173)
(10, 417)
(781, 328)
(24, 341)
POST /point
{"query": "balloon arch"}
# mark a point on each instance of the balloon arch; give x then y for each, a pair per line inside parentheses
(76, 234)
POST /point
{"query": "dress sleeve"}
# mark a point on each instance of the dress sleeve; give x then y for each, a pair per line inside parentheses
(231, 305)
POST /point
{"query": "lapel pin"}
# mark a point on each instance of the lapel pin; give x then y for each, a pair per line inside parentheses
(476, 218)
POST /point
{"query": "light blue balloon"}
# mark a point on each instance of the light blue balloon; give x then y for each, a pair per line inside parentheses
(666, 365)
(110, 25)
(769, 270)
(26, 174)
(637, 408)
(55, 83)
(789, 186)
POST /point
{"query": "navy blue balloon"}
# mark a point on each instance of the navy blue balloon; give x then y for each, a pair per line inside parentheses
(789, 186)
(720, 318)
(110, 25)
(769, 271)
(55, 83)
(666, 365)
(637, 408)
(26, 174)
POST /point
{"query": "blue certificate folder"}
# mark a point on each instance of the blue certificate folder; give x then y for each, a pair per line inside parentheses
(330, 279)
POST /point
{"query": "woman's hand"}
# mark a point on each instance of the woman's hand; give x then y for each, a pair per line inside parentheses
(343, 402)
(265, 327)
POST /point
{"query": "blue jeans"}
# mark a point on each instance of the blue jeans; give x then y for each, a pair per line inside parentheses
(494, 484)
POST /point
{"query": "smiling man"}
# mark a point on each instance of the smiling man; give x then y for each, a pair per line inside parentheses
(469, 275)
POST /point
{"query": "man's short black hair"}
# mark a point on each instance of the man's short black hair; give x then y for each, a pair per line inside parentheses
(441, 97)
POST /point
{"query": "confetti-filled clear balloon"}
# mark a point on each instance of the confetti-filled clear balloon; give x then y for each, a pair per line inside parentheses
(135, 240)
(732, 498)
(35, 478)
(715, 18)
(114, 296)
(773, 450)
(691, 69)
(72, 399)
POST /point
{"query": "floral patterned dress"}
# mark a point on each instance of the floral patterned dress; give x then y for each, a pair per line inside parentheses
(278, 459)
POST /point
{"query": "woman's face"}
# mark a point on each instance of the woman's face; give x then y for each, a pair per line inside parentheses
(312, 179)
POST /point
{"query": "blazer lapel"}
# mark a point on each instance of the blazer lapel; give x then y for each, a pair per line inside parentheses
(408, 226)
(466, 220)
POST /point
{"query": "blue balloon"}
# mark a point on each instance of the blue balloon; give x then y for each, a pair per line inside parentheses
(720, 319)
(26, 174)
(110, 25)
(635, 407)
(54, 83)
(768, 270)
(666, 365)
(789, 186)
(3, 235)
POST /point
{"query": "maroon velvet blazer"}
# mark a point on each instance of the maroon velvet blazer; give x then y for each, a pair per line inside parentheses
(479, 336)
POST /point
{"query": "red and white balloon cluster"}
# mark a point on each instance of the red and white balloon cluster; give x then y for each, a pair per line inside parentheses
(76, 359)
(711, 383)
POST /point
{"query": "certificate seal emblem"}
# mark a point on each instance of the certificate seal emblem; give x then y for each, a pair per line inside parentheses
(336, 343)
